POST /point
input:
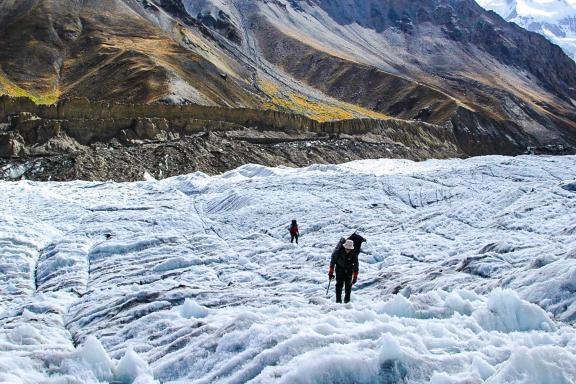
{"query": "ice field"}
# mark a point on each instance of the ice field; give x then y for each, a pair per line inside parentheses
(468, 276)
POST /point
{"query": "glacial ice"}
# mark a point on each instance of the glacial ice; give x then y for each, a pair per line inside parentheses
(132, 369)
(191, 309)
(95, 357)
(468, 276)
(506, 312)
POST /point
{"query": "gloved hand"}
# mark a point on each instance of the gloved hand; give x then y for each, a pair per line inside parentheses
(331, 273)
(354, 278)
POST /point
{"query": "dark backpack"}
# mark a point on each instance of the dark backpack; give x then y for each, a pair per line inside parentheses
(356, 238)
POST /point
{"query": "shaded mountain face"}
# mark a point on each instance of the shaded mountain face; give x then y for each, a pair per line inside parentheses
(464, 22)
(446, 62)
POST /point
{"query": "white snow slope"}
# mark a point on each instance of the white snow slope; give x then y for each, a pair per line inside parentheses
(468, 276)
(555, 19)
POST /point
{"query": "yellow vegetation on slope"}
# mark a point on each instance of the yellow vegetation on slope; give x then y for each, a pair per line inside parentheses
(269, 87)
(317, 110)
(8, 87)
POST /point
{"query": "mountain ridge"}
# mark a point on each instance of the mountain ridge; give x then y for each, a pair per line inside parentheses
(445, 62)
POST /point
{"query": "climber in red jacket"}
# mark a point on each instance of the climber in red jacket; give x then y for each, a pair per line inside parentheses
(294, 232)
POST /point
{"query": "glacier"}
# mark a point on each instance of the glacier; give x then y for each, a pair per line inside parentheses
(468, 276)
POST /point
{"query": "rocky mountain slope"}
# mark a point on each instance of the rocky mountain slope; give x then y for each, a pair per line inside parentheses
(79, 139)
(554, 19)
(497, 87)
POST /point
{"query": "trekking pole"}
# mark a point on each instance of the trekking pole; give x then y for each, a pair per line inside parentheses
(328, 289)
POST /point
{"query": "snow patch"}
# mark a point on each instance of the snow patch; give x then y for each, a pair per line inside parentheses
(132, 369)
(506, 312)
(542, 365)
(191, 309)
(26, 334)
(97, 359)
(398, 306)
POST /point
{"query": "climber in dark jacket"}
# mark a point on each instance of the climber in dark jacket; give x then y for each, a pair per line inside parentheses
(345, 261)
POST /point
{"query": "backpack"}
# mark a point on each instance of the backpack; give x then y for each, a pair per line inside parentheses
(356, 238)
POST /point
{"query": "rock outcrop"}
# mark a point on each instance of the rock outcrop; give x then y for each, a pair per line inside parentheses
(166, 140)
(89, 122)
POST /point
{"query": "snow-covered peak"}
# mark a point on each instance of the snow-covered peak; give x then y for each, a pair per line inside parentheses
(504, 8)
(544, 10)
(555, 19)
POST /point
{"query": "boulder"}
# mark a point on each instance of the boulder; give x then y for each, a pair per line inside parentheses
(12, 145)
